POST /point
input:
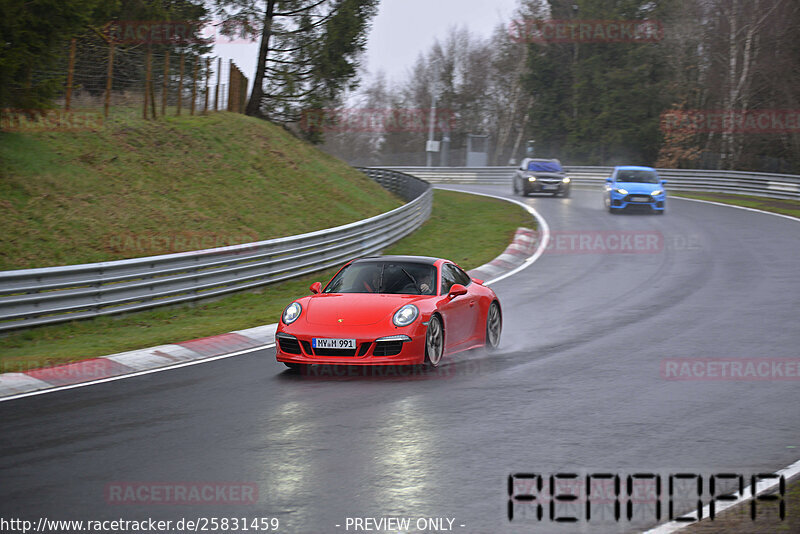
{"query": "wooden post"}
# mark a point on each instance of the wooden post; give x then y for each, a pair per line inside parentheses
(180, 85)
(234, 90)
(208, 74)
(230, 84)
(216, 90)
(146, 82)
(194, 82)
(165, 85)
(70, 71)
(109, 78)
(243, 92)
(152, 89)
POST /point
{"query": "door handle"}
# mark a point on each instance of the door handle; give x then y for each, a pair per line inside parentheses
(471, 303)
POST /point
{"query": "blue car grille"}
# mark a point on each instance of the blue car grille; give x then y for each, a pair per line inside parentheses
(638, 198)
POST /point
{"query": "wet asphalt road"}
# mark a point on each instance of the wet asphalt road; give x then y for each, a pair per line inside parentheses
(576, 387)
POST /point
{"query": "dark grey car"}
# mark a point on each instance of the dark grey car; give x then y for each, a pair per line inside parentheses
(541, 176)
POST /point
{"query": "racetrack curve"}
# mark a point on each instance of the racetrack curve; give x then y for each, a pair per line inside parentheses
(576, 387)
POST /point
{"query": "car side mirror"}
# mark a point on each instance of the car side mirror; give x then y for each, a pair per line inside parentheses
(316, 288)
(609, 180)
(478, 281)
(663, 182)
(457, 290)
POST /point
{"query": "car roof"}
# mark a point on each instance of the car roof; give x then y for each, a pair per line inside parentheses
(633, 168)
(410, 259)
(528, 160)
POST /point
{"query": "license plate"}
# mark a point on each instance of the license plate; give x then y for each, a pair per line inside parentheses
(640, 199)
(328, 343)
(549, 187)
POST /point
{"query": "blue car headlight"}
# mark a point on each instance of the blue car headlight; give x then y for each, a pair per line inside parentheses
(657, 193)
(291, 313)
(620, 191)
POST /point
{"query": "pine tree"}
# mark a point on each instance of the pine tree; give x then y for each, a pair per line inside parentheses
(308, 54)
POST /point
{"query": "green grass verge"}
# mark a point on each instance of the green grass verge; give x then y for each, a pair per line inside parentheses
(141, 188)
(467, 229)
(786, 207)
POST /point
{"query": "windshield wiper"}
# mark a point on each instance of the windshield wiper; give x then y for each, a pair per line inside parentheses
(380, 281)
(413, 281)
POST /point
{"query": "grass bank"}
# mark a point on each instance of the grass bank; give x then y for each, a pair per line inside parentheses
(142, 188)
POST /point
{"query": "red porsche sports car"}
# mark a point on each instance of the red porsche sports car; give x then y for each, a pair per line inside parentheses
(389, 310)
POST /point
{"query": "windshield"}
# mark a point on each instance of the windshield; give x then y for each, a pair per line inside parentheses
(544, 166)
(395, 278)
(637, 176)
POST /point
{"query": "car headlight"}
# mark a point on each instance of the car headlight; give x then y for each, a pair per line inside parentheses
(405, 315)
(531, 178)
(291, 313)
(657, 192)
(566, 180)
(621, 191)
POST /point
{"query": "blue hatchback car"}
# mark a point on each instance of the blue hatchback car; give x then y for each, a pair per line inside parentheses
(632, 187)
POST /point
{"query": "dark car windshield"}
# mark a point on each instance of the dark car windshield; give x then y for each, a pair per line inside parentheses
(637, 176)
(544, 166)
(395, 278)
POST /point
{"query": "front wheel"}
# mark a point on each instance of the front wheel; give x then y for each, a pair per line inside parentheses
(494, 325)
(434, 342)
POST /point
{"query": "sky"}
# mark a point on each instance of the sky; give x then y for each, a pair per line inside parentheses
(401, 31)
(405, 28)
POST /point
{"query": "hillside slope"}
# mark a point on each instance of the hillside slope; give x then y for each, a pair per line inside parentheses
(142, 188)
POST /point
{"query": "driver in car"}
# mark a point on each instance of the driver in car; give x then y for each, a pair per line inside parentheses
(427, 286)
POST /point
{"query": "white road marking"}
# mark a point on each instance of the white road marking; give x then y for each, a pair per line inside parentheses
(738, 207)
(761, 487)
(137, 373)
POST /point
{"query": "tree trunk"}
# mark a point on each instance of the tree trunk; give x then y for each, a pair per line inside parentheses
(522, 125)
(254, 105)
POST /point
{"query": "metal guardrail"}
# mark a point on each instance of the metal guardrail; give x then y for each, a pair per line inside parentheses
(785, 186)
(33, 297)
